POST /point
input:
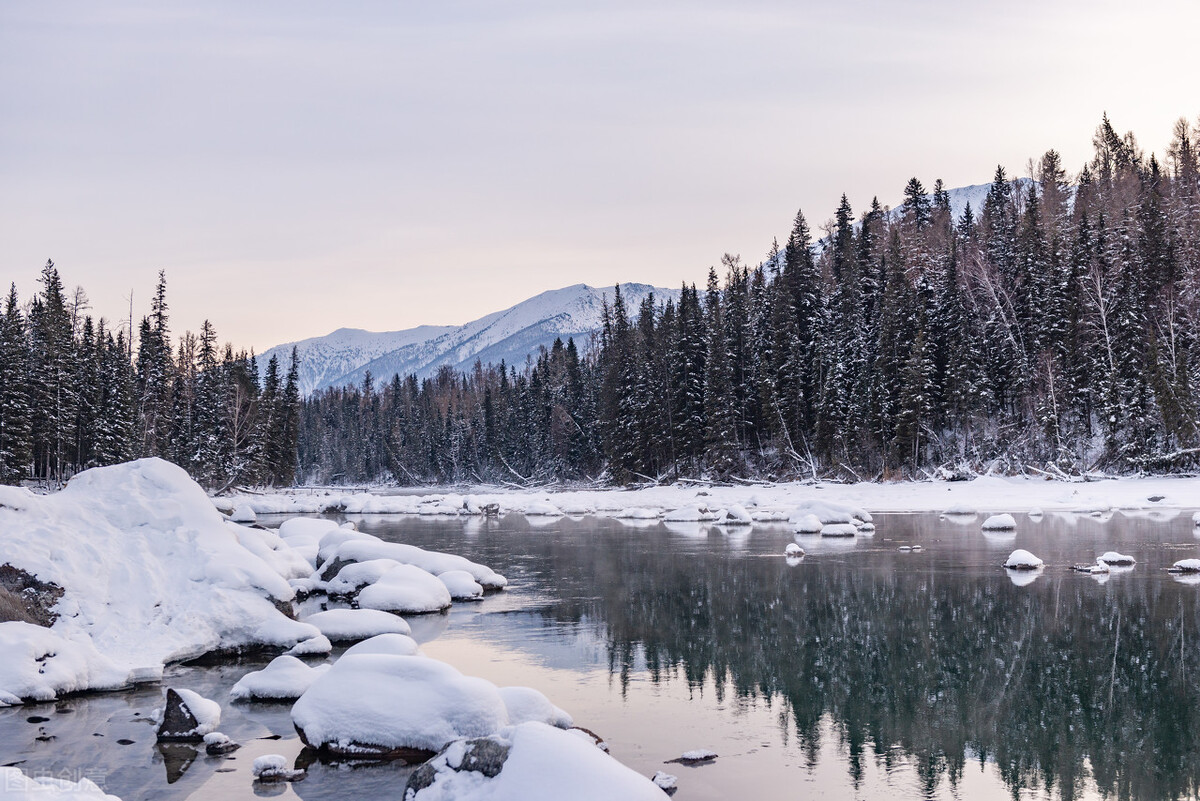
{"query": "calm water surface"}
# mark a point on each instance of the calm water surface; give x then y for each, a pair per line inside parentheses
(859, 672)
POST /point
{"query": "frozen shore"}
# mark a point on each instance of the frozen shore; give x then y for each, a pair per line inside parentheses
(764, 503)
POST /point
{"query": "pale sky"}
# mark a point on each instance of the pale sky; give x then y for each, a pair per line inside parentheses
(300, 166)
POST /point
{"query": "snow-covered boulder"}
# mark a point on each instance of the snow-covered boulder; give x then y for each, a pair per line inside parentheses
(244, 514)
(16, 786)
(1022, 560)
(530, 762)
(839, 530)
(151, 573)
(793, 549)
(188, 716)
(406, 589)
(342, 625)
(1004, 522)
(1186, 566)
(637, 513)
(525, 704)
(736, 515)
(666, 782)
(807, 524)
(341, 547)
(696, 756)
(1196, 519)
(285, 678)
(1114, 558)
(694, 513)
(274, 768)
(380, 704)
(314, 646)
(394, 644)
(461, 585)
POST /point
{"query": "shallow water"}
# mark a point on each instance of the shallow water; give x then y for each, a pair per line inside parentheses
(859, 672)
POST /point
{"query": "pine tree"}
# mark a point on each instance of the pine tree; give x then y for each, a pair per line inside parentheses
(53, 392)
(16, 451)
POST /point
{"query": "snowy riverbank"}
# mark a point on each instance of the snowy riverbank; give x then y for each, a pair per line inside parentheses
(763, 503)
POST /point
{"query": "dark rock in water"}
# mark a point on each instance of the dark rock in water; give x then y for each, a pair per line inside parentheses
(700, 756)
(45, 738)
(366, 752)
(481, 755)
(220, 749)
(178, 723)
(25, 599)
(666, 782)
(1155, 498)
(123, 741)
(36, 719)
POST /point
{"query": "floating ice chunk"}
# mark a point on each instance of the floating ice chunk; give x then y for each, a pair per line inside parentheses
(16, 786)
(793, 549)
(1004, 522)
(244, 514)
(377, 703)
(285, 678)
(1114, 558)
(406, 589)
(461, 585)
(525, 704)
(341, 625)
(1023, 560)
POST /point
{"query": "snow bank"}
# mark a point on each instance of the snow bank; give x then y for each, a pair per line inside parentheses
(16, 786)
(375, 703)
(342, 625)
(151, 572)
(537, 763)
(285, 678)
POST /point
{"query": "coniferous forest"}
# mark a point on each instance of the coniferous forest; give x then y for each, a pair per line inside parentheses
(75, 393)
(1056, 328)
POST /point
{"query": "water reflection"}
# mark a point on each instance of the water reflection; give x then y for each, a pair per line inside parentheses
(935, 658)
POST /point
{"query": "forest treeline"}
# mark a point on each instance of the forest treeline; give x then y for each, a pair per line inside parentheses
(74, 393)
(1056, 327)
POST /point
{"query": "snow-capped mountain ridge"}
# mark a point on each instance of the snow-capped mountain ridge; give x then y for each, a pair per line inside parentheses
(347, 354)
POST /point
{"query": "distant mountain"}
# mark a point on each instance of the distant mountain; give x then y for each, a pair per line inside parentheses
(344, 356)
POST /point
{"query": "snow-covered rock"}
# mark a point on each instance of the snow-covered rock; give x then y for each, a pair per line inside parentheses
(665, 782)
(342, 625)
(341, 546)
(315, 646)
(1196, 519)
(244, 514)
(637, 513)
(461, 585)
(1187, 566)
(541, 508)
(793, 549)
(695, 756)
(1035, 514)
(529, 762)
(188, 716)
(694, 513)
(807, 524)
(380, 704)
(286, 677)
(525, 704)
(1004, 522)
(16, 786)
(736, 515)
(406, 589)
(839, 530)
(151, 573)
(274, 768)
(394, 644)
(1022, 560)
(217, 744)
(1114, 558)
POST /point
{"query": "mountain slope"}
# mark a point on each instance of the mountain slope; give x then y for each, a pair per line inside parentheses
(345, 356)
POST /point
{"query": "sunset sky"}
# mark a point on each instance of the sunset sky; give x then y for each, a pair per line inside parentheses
(299, 166)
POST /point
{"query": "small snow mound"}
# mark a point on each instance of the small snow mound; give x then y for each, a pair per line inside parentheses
(808, 524)
(17, 786)
(736, 515)
(695, 757)
(274, 768)
(961, 510)
(542, 508)
(525, 704)
(1023, 560)
(637, 513)
(394, 644)
(839, 530)
(406, 589)
(244, 514)
(1196, 519)
(1186, 566)
(793, 549)
(665, 782)
(284, 679)
(314, 646)
(1114, 558)
(341, 625)
(461, 585)
(1004, 522)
